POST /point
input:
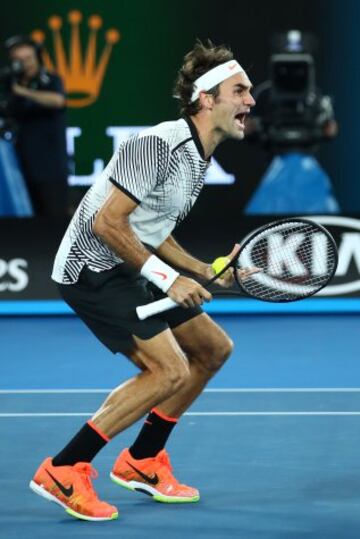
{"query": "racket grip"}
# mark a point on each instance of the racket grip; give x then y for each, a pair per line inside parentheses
(144, 311)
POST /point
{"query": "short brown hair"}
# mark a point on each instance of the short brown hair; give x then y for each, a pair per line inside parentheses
(202, 58)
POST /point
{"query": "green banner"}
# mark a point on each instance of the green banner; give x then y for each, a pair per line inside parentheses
(118, 60)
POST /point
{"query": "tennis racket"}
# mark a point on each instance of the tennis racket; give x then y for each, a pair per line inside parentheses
(296, 257)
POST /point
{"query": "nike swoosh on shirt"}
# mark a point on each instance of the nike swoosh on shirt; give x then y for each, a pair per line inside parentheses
(67, 491)
(153, 480)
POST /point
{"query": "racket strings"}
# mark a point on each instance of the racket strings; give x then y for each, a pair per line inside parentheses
(296, 261)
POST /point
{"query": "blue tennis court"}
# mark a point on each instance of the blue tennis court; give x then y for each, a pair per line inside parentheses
(272, 444)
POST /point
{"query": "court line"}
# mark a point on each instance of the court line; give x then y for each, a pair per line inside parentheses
(208, 390)
(193, 414)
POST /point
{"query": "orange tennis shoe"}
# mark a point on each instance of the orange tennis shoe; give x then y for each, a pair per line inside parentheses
(71, 487)
(152, 476)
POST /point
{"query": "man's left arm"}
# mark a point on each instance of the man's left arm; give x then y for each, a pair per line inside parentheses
(45, 98)
(175, 255)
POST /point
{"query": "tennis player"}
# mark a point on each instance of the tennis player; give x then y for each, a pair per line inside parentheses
(117, 253)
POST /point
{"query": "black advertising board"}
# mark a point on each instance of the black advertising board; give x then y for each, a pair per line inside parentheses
(28, 247)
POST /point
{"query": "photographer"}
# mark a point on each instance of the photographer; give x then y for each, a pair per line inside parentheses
(290, 120)
(36, 102)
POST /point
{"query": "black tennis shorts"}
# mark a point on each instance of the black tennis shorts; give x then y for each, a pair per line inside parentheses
(106, 302)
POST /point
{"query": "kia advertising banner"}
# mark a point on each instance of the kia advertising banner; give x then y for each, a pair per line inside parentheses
(28, 247)
(345, 230)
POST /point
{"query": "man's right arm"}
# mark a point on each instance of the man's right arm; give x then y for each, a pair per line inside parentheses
(112, 226)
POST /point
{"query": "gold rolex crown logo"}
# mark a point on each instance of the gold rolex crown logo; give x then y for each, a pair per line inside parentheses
(81, 72)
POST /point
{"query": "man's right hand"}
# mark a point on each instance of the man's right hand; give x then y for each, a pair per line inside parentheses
(188, 293)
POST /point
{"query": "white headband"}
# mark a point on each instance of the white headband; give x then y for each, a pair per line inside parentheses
(215, 76)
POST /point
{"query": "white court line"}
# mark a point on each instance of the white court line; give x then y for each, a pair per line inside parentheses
(209, 390)
(193, 414)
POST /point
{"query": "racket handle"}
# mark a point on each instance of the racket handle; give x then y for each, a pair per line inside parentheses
(144, 311)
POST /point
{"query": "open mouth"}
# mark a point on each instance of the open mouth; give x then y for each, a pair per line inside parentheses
(240, 120)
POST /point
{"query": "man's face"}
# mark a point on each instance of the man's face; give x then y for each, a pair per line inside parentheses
(232, 105)
(27, 56)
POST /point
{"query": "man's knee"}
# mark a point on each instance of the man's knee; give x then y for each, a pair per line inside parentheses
(205, 343)
(171, 370)
(214, 356)
(175, 373)
(223, 351)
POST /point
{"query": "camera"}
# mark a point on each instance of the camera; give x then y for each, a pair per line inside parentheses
(13, 71)
(291, 112)
(8, 74)
(292, 76)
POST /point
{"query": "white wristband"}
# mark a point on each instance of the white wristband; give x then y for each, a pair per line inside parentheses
(159, 273)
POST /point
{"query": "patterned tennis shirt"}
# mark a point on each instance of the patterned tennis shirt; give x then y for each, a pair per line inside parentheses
(162, 169)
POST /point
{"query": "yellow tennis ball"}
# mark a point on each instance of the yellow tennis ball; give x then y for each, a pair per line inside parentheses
(220, 263)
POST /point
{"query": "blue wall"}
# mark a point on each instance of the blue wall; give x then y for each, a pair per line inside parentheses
(340, 43)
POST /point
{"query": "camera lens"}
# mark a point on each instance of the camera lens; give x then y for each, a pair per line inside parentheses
(291, 77)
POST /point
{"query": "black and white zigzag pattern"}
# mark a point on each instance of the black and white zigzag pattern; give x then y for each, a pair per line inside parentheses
(161, 169)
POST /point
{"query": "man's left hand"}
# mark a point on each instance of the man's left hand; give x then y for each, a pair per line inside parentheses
(227, 279)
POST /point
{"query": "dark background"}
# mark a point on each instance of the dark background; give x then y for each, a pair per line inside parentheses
(137, 88)
(137, 91)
